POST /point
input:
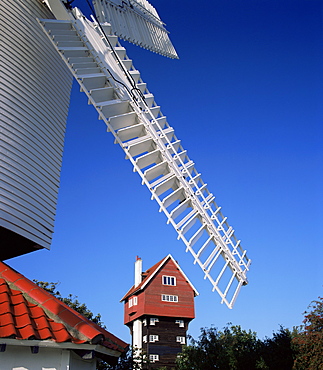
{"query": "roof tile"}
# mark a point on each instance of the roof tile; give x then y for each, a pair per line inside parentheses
(8, 331)
(54, 306)
(19, 309)
(45, 333)
(36, 312)
(29, 312)
(38, 295)
(23, 320)
(7, 319)
(70, 318)
(5, 307)
(26, 332)
(61, 336)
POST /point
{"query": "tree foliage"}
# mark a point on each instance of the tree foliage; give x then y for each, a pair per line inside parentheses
(309, 341)
(237, 349)
(232, 348)
(277, 352)
(72, 301)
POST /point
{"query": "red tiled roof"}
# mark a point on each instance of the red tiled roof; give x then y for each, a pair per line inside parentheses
(29, 312)
(145, 275)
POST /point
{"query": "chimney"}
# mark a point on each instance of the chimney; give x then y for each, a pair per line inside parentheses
(138, 271)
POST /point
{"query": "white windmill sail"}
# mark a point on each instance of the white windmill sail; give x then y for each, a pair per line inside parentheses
(114, 87)
(137, 22)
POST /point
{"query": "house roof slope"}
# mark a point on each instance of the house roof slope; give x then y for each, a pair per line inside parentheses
(151, 272)
(29, 312)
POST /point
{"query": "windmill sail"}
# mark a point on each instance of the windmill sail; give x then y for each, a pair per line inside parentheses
(137, 22)
(114, 87)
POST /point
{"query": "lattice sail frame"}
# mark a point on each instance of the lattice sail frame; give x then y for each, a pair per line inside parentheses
(137, 22)
(114, 87)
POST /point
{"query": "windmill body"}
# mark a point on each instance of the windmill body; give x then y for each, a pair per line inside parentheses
(35, 89)
(91, 51)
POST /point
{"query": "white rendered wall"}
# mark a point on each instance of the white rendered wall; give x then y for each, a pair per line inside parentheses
(34, 98)
(21, 358)
(137, 334)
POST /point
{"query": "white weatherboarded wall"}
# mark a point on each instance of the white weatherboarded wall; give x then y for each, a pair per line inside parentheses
(22, 358)
(34, 98)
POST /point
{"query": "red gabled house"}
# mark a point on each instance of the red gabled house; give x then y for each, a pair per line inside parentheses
(158, 309)
(38, 331)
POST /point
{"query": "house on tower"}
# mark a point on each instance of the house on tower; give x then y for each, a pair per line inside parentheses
(158, 309)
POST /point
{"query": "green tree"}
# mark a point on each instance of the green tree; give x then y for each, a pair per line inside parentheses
(277, 352)
(237, 349)
(230, 349)
(72, 302)
(309, 340)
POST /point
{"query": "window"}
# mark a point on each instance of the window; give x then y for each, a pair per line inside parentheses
(181, 340)
(133, 301)
(144, 338)
(153, 338)
(153, 320)
(169, 280)
(169, 298)
(153, 358)
(180, 323)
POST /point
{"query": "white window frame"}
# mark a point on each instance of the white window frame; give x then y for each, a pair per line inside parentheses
(168, 280)
(180, 323)
(144, 338)
(153, 358)
(153, 320)
(144, 321)
(181, 340)
(153, 338)
(169, 298)
(133, 301)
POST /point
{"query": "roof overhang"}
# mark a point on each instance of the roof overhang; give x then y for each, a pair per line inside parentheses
(65, 345)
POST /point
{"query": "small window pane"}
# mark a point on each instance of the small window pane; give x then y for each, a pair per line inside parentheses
(169, 280)
(169, 298)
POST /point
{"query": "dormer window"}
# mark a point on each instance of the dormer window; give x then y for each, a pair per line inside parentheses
(169, 280)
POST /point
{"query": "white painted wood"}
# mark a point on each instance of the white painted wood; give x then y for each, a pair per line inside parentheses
(137, 22)
(157, 155)
(35, 89)
(17, 357)
(137, 334)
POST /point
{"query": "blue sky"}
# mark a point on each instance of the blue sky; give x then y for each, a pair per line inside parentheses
(245, 99)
